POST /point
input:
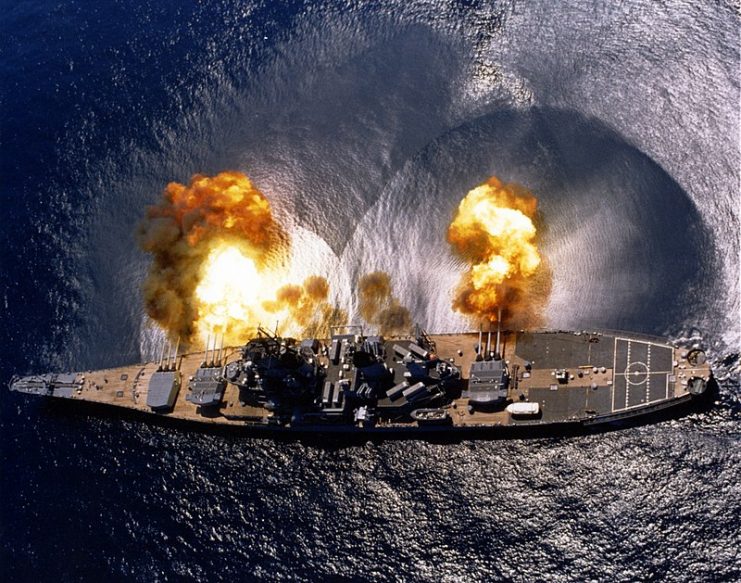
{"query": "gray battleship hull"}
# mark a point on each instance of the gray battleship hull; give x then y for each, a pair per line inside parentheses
(516, 383)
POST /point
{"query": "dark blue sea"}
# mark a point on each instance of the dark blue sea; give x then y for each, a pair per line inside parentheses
(364, 123)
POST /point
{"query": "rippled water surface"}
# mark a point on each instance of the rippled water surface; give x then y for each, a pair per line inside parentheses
(365, 124)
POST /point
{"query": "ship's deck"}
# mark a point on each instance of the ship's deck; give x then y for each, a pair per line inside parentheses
(601, 377)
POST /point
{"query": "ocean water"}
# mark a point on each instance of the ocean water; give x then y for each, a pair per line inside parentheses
(364, 124)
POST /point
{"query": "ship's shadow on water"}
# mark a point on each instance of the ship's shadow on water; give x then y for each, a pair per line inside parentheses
(628, 248)
(72, 412)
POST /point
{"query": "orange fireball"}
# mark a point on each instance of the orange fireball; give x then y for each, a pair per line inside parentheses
(494, 232)
(217, 253)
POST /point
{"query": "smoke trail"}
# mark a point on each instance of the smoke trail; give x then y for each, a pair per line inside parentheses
(308, 306)
(379, 307)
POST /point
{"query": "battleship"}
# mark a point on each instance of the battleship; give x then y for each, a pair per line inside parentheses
(491, 381)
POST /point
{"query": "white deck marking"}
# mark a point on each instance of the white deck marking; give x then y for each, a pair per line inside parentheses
(667, 386)
(627, 382)
(633, 370)
(614, 364)
(648, 377)
(633, 374)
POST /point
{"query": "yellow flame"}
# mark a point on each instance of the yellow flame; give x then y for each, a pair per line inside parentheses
(186, 233)
(230, 295)
(234, 296)
(493, 230)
